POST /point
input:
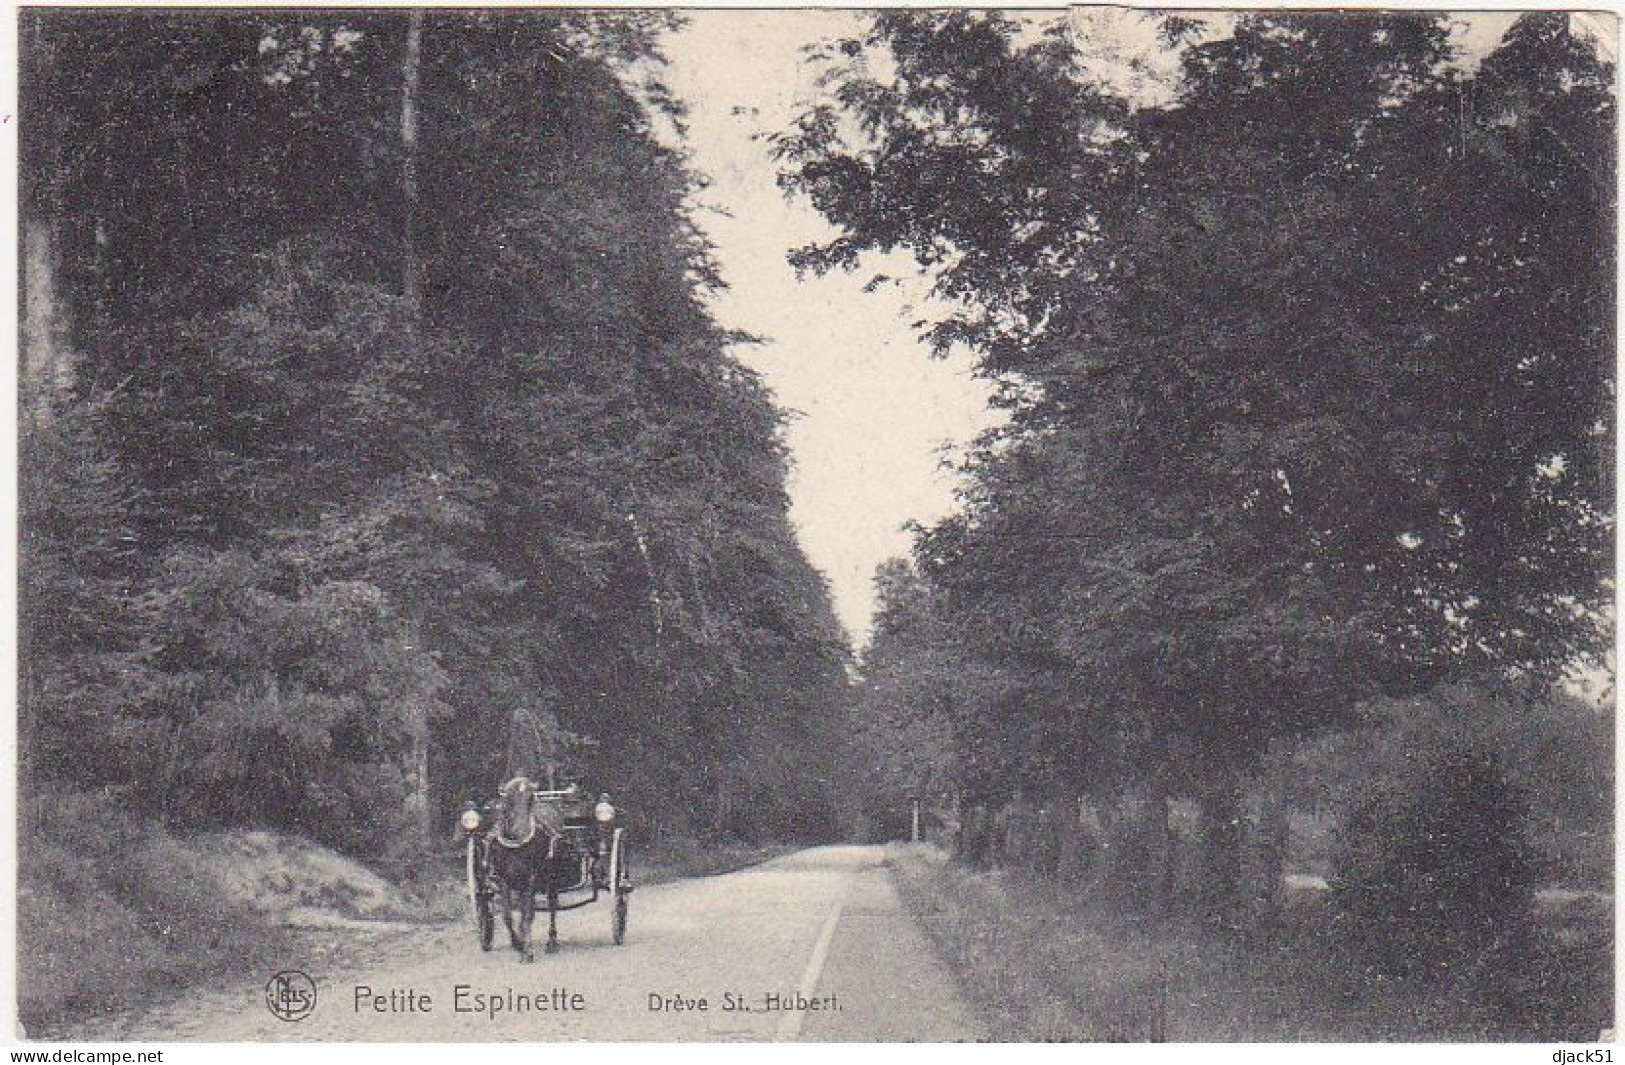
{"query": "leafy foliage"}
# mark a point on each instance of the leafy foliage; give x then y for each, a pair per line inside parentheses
(368, 522)
(1307, 369)
(85, 640)
(1436, 874)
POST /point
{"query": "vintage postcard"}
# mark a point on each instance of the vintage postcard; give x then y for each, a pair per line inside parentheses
(874, 526)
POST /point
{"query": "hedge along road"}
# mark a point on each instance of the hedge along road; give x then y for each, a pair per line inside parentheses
(822, 930)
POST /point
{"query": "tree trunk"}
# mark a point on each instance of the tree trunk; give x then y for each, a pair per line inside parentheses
(417, 754)
(417, 775)
(1165, 849)
(1043, 841)
(45, 368)
(411, 73)
(1112, 872)
(1069, 837)
(723, 810)
(1012, 852)
(977, 836)
(1222, 839)
(1274, 831)
(956, 805)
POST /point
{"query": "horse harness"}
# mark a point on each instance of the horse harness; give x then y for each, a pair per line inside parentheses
(539, 818)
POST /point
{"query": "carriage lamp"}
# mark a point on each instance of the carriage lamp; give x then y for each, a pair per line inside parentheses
(604, 814)
(470, 820)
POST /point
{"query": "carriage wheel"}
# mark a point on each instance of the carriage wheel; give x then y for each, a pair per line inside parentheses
(488, 921)
(620, 882)
(484, 917)
(618, 927)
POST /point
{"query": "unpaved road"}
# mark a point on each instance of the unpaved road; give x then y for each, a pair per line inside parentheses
(825, 923)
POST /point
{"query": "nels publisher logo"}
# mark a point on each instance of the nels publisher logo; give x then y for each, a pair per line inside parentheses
(291, 995)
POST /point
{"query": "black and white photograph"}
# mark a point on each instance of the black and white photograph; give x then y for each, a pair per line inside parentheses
(873, 526)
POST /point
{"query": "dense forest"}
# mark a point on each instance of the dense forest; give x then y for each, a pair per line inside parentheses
(377, 442)
(376, 439)
(1307, 469)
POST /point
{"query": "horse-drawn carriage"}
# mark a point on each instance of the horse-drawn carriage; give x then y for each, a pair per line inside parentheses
(559, 846)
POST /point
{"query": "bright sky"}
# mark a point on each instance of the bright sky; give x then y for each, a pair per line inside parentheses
(872, 411)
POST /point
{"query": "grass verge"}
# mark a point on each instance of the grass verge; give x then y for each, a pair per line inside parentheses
(1046, 963)
(117, 914)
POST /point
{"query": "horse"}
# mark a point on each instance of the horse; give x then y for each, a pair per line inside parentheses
(526, 856)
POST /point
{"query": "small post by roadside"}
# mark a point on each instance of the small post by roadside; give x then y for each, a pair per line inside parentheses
(914, 820)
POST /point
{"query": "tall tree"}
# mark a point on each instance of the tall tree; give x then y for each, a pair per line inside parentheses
(417, 445)
(1280, 434)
